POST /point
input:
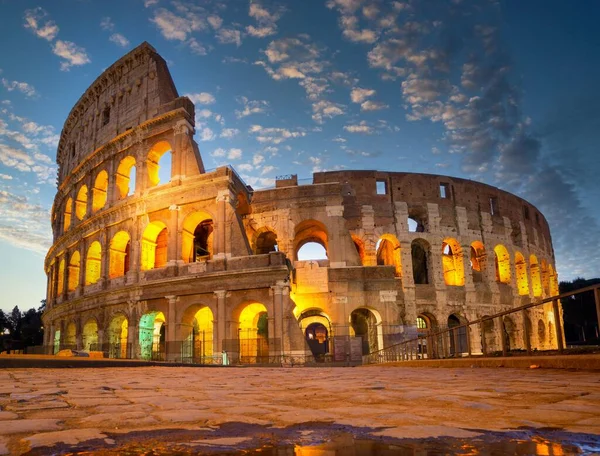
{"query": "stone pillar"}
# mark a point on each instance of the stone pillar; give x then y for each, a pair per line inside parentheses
(220, 322)
(90, 186)
(111, 191)
(277, 293)
(224, 197)
(134, 254)
(171, 343)
(105, 257)
(173, 242)
(78, 334)
(82, 263)
(181, 130)
(336, 249)
(368, 225)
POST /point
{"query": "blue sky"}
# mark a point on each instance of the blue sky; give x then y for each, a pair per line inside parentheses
(501, 92)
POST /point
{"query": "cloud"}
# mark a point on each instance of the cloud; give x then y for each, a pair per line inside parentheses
(219, 152)
(149, 3)
(33, 19)
(346, 6)
(119, 40)
(215, 21)
(267, 169)
(229, 132)
(387, 53)
(206, 134)
(23, 87)
(204, 98)
(267, 21)
(371, 105)
(361, 128)
(358, 95)
(250, 107)
(274, 135)
(107, 24)
(72, 54)
(5, 176)
(326, 109)
(178, 27)
(234, 154)
(245, 167)
(196, 47)
(257, 159)
(229, 36)
(351, 31)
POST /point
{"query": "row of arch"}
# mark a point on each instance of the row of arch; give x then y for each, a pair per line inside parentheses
(158, 166)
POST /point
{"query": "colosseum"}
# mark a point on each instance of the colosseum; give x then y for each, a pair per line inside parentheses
(155, 258)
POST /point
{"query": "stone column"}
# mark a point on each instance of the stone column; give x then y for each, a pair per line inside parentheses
(90, 186)
(105, 258)
(171, 344)
(133, 337)
(78, 334)
(181, 132)
(82, 263)
(277, 293)
(219, 322)
(134, 254)
(173, 230)
(111, 190)
(224, 197)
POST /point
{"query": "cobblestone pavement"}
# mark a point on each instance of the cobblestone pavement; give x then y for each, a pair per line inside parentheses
(46, 407)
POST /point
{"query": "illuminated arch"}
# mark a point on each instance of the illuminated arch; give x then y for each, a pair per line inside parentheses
(366, 323)
(93, 262)
(197, 237)
(521, 274)
(154, 246)
(419, 251)
(90, 335)
(125, 177)
(310, 231)
(119, 251)
(152, 335)
(388, 253)
(536, 281)
(359, 244)
(253, 331)
(70, 340)
(118, 331)
(61, 277)
(452, 263)
(99, 191)
(67, 214)
(553, 279)
(502, 262)
(477, 260)
(265, 241)
(197, 333)
(81, 202)
(74, 271)
(154, 161)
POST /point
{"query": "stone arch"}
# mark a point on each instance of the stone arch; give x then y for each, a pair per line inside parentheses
(70, 339)
(545, 278)
(452, 263)
(93, 263)
(89, 336)
(152, 335)
(253, 331)
(502, 263)
(74, 271)
(316, 328)
(426, 324)
(61, 277)
(99, 191)
(541, 333)
(197, 334)
(458, 337)
(125, 177)
(155, 158)
(366, 323)
(417, 219)
(119, 254)
(553, 281)
(310, 231)
(67, 214)
(81, 202)
(154, 246)
(489, 335)
(264, 241)
(388, 253)
(521, 274)
(359, 244)
(509, 332)
(536, 281)
(118, 332)
(420, 253)
(477, 260)
(197, 237)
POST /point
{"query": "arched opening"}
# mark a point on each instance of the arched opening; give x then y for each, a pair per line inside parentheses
(197, 237)
(452, 263)
(56, 341)
(458, 336)
(93, 262)
(154, 162)
(489, 335)
(254, 333)
(502, 263)
(74, 271)
(70, 341)
(81, 202)
(266, 242)
(359, 245)
(197, 334)
(316, 327)
(364, 323)
(419, 250)
(310, 241)
(120, 247)
(90, 335)
(152, 336)
(545, 278)
(154, 246)
(388, 253)
(427, 345)
(67, 214)
(414, 226)
(99, 192)
(125, 177)
(61, 277)
(417, 219)
(553, 279)
(477, 261)
(521, 274)
(541, 333)
(118, 331)
(509, 333)
(536, 280)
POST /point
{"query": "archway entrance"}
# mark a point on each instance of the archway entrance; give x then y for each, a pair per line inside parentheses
(70, 341)
(316, 327)
(197, 328)
(56, 341)
(90, 335)
(364, 323)
(458, 336)
(152, 336)
(117, 337)
(254, 333)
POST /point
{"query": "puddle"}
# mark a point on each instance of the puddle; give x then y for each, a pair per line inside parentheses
(325, 439)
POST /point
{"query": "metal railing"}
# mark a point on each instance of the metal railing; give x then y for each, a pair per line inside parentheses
(510, 332)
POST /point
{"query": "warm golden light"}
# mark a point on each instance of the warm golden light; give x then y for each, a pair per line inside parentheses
(154, 246)
(536, 281)
(477, 255)
(73, 273)
(388, 253)
(67, 217)
(152, 163)
(90, 335)
(521, 274)
(93, 263)
(124, 176)
(502, 264)
(119, 254)
(61, 276)
(81, 202)
(553, 279)
(197, 238)
(99, 191)
(452, 263)
(310, 231)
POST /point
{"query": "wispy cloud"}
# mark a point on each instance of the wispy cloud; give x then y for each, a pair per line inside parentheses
(204, 98)
(23, 87)
(33, 21)
(72, 54)
(266, 20)
(250, 107)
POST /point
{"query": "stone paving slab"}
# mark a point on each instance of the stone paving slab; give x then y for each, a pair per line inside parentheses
(395, 401)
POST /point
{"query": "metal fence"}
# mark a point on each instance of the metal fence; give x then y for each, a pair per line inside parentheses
(506, 333)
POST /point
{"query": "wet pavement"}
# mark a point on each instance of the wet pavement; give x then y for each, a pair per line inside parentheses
(295, 411)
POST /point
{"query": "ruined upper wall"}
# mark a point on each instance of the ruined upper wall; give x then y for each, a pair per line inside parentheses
(134, 89)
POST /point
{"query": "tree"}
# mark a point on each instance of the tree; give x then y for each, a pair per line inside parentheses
(14, 320)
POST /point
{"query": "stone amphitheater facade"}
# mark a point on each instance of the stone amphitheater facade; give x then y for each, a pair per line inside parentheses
(188, 264)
